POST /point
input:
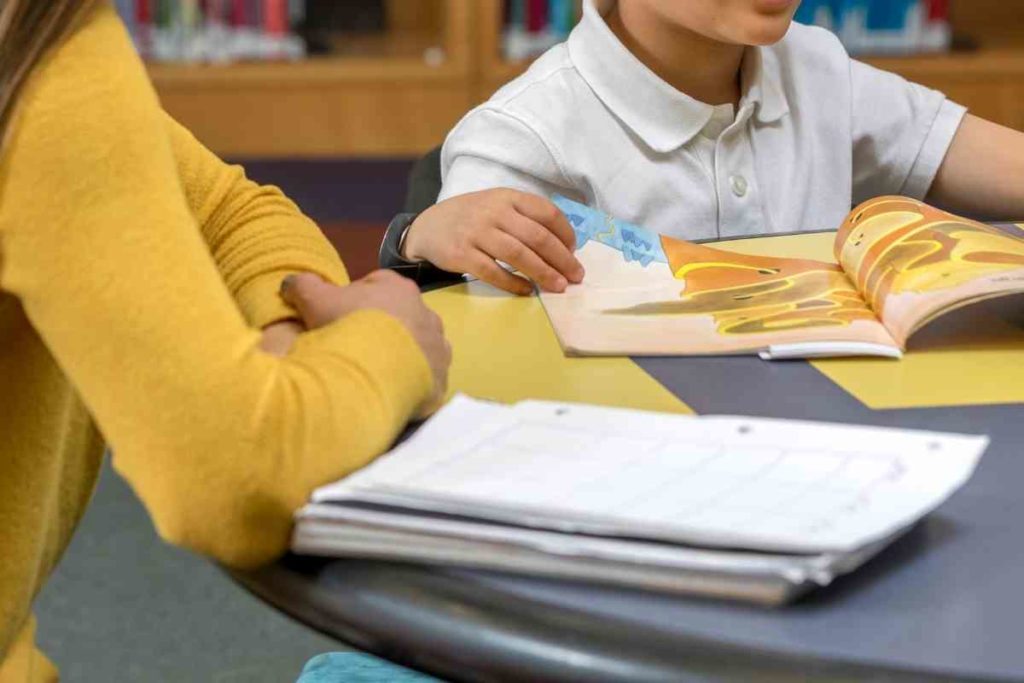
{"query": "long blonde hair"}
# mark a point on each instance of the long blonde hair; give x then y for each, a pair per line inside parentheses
(28, 29)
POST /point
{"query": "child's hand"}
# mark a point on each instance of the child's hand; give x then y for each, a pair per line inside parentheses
(469, 233)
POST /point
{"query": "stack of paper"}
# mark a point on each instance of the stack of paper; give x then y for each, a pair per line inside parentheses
(753, 509)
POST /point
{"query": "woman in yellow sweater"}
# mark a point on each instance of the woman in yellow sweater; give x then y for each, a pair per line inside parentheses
(136, 274)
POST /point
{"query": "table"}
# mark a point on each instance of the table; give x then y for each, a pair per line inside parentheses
(943, 603)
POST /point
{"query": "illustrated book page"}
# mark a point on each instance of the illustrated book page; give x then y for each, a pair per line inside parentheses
(647, 295)
(914, 263)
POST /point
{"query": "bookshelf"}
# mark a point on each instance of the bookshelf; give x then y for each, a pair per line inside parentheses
(389, 94)
(378, 96)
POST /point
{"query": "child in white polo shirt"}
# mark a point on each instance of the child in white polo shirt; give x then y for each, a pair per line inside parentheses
(698, 119)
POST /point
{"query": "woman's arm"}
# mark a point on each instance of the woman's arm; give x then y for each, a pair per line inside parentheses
(983, 173)
(256, 235)
(221, 441)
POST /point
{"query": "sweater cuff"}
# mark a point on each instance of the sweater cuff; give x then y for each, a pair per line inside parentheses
(385, 351)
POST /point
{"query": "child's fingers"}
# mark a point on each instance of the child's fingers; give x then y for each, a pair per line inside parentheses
(544, 243)
(542, 211)
(505, 247)
(483, 266)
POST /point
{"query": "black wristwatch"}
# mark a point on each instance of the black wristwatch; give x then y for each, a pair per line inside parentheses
(390, 256)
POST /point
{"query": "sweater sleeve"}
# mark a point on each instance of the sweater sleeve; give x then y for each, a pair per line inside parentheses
(98, 242)
(255, 234)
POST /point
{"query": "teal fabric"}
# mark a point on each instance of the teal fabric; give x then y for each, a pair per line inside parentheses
(355, 667)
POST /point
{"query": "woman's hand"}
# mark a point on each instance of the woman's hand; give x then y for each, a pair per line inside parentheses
(470, 233)
(320, 303)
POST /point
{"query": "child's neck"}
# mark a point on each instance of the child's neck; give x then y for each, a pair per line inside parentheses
(704, 69)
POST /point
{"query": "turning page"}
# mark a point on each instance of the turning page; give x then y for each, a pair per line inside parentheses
(912, 262)
(647, 294)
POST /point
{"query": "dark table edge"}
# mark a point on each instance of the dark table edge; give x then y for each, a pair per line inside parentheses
(423, 607)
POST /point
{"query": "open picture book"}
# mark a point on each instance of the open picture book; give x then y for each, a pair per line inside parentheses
(901, 265)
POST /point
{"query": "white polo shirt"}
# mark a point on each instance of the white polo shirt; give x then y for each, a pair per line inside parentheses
(816, 133)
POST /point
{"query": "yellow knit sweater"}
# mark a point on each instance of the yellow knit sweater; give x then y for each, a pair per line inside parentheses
(135, 269)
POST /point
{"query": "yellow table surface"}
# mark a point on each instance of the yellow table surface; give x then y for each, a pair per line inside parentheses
(982, 365)
(505, 350)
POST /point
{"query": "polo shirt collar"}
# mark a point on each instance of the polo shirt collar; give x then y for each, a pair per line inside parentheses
(662, 116)
(762, 84)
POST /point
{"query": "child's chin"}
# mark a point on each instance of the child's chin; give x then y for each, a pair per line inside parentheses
(766, 32)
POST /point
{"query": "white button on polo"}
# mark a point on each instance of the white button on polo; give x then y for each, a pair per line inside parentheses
(739, 185)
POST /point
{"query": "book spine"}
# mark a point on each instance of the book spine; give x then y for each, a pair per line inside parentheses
(536, 16)
(563, 18)
(819, 13)
(882, 26)
(274, 29)
(216, 31)
(536, 26)
(144, 27)
(938, 33)
(296, 12)
(248, 45)
(126, 10)
(234, 22)
(213, 30)
(515, 40)
(279, 43)
(164, 48)
(236, 18)
(192, 48)
(893, 26)
(275, 17)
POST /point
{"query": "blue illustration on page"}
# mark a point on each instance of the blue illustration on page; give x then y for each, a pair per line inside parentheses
(635, 243)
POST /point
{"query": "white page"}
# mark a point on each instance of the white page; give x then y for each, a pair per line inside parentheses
(729, 482)
(334, 520)
(460, 415)
(829, 350)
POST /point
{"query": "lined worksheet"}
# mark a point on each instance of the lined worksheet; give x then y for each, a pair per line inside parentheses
(774, 485)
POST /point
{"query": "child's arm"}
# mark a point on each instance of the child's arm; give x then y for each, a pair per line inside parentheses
(983, 173)
(497, 172)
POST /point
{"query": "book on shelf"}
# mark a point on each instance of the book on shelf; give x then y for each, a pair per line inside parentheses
(534, 26)
(217, 31)
(865, 26)
(900, 265)
(883, 26)
(739, 508)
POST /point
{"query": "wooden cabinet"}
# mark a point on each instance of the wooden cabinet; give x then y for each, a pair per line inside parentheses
(398, 93)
